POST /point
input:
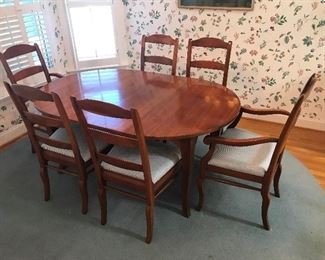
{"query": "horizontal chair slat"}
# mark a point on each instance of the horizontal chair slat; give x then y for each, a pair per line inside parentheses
(44, 121)
(158, 59)
(27, 72)
(104, 109)
(120, 163)
(53, 142)
(13, 51)
(208, 64)
(210, 43)
(111, 138)
(160, 39)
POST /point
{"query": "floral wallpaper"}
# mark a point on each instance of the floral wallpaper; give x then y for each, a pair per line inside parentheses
(276, 47)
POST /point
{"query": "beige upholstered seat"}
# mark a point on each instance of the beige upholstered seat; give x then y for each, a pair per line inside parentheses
(253, 159)
(61, 135)
(162, 157)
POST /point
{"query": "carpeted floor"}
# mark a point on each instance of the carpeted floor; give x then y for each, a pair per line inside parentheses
(228, 227)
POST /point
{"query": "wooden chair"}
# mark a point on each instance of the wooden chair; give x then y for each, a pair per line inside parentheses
(23, 49)
(132, 164)
(65, 150)
(244, 155)
(159, 39)
(214, 65)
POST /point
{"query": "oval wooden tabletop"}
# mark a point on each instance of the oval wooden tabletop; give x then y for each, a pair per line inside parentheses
(170, 107)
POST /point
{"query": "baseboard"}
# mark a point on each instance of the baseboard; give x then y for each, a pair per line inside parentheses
(12, 134)
(304, 123)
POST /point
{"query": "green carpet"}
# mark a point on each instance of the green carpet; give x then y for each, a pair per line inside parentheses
(228, 227)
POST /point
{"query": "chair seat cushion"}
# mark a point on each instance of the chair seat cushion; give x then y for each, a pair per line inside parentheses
(254, 159)
(162, 157)
(61, 135)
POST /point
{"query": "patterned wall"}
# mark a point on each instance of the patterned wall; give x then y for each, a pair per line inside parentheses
(276, 47)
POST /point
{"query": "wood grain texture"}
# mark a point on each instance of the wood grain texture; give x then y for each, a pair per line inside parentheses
(170, 107)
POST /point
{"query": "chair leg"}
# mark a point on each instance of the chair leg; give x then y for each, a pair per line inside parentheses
(265, 207)
(32, 148)
(46, 183)
(199, 183)
(276, 181)
(84, 196)
(149, 217)
(103, 205)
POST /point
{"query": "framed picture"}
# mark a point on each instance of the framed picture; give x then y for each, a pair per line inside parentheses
(217, 4)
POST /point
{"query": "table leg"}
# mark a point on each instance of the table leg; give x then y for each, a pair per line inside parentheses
(187, 149)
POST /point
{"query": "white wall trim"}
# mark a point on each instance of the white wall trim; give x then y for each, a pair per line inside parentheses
(12, 134)
(302, 122)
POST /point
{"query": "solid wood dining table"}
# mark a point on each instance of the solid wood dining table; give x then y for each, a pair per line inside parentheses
(170, 107)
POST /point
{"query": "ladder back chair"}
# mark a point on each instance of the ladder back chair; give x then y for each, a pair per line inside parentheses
(14, 77)
(244, 155)
(23, 49)
(65, 150)
(208, 42)
(159, 39)
(131, 163)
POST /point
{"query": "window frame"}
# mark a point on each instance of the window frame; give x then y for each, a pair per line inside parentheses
(119, 28)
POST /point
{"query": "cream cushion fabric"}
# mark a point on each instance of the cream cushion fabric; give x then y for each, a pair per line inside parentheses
(162, 157)
(61, 135)
(254, 159)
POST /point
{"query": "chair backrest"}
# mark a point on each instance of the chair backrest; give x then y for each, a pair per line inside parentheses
(159, 39)
(207, 42)
(35, 121)
(19, 50)
(290, 123)
(111, 136)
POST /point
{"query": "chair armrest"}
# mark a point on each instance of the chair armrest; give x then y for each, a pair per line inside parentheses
(58, 75)
(261, 111)
(238, 142)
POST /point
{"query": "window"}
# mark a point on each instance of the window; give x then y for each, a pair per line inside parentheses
(22, 21)
(93, 25)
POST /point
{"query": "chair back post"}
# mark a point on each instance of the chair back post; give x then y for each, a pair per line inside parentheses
(227, 61)
(309, 85)
(90, 142)
(43, 64)
(189, 58)
(67, 126)
(7, 69)
(175, 53)
(143, 152)
(143, 47)
(289, 125)
(21, 94)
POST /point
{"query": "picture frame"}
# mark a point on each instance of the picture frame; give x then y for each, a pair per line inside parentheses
(217, 4)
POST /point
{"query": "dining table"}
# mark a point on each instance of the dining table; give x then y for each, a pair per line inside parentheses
(171, 108)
